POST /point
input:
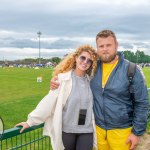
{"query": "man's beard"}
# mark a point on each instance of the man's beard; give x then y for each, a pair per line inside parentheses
(106, 58)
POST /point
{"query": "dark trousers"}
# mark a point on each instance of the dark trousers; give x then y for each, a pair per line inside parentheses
(77, 141)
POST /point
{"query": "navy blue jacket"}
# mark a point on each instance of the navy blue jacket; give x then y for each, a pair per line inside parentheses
(113, 107)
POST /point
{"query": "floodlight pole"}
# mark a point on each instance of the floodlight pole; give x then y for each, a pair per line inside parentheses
(39, 35)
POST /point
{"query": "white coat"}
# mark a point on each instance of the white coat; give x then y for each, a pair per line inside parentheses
(49, 110)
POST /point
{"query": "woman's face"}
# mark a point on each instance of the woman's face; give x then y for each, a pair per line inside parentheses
(83, 61)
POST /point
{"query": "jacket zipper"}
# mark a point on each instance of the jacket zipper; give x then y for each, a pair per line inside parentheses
(104, 112)
(103, 89)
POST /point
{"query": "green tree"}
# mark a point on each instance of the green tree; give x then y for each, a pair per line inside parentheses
(56, 60)
(130, 56)
(137, 57)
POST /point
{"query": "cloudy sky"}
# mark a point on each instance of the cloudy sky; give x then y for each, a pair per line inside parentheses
(66, 24)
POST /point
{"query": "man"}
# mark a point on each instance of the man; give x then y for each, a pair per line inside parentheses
(120, 121)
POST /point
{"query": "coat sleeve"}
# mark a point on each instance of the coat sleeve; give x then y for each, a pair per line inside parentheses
(140, 103)
(44, 109)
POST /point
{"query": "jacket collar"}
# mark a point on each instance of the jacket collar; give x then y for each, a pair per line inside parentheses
(67, 76)
(121, 57)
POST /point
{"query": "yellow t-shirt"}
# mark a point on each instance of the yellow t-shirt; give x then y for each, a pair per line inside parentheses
(107, 68)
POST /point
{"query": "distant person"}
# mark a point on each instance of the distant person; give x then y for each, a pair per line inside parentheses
(120, 121)
(67, 111)
(142, 65)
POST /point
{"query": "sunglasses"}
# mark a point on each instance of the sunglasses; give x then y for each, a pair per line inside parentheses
(88, 61)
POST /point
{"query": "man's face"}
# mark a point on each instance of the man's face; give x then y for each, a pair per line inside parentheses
(107, 49)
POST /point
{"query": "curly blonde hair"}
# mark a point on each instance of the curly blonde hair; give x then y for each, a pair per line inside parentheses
(69, 62)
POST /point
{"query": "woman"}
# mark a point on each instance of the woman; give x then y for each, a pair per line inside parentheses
(67, 111)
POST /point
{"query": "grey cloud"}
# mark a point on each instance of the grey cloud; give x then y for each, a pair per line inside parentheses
(135, 44)
(126, 45)
(27, 43)
(57, 18)
(20, 43)
(23, 43)
(61, 43)
(147, 51)
(84, 21)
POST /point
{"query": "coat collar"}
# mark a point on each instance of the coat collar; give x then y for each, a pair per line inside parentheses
(67, 76)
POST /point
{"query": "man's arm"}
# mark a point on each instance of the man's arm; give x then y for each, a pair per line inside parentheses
(54, 84)
(140, 104)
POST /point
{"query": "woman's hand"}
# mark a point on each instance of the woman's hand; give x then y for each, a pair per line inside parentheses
(24, 126)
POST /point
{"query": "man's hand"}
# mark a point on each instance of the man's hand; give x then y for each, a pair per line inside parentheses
(54, 84)
(133, 139)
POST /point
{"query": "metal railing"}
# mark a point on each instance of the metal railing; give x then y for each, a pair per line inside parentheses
(30, 139)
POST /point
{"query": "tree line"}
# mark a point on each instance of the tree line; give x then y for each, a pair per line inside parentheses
(54, 60)
(137, 57)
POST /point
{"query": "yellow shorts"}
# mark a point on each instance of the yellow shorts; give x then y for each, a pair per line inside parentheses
(114, 140)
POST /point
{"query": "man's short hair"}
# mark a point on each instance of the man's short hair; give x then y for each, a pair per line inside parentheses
(105, 34)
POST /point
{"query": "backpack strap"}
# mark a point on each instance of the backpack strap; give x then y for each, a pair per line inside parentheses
(131, 73)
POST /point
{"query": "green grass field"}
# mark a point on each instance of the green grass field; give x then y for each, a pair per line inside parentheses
(20, 92)
(146, 72)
